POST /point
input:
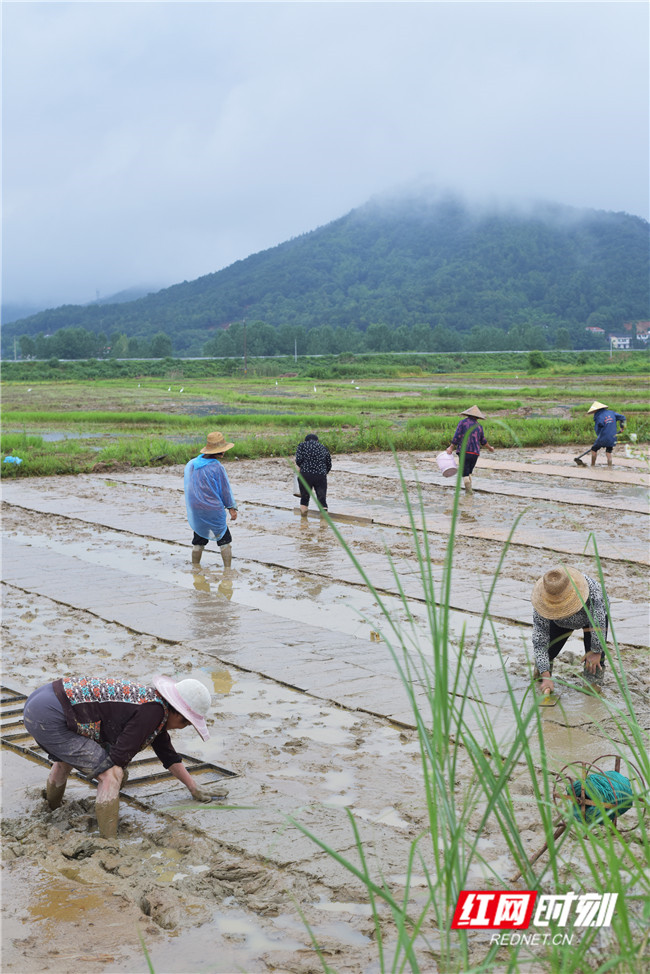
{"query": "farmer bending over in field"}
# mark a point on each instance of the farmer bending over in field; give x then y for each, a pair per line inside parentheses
(313, 462)
(207, 498)
(98, 725)
(563, 600)
(475, 441)
(605, 421)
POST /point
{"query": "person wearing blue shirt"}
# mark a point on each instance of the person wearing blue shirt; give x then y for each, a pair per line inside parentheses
(207, 498)
(605, 421)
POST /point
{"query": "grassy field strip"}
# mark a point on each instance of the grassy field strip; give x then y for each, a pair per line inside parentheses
(176, 421)
(636, 386)
(150, 439)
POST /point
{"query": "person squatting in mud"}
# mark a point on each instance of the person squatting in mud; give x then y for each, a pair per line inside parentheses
(564, 600)
(313, 462)
(207, 498)
(98, 725)
(475, 440)
(605, 421)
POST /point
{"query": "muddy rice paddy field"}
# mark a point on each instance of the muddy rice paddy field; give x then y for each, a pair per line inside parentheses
(309, 715)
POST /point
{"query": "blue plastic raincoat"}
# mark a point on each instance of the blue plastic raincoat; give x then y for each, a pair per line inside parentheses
(207, 497)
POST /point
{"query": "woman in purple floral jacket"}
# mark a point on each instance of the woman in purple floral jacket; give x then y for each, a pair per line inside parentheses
(475, 440)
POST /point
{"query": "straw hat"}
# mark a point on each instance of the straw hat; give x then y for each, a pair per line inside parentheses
(190, 698)
(554, 595)
(474, 412)
(595, 406)
(216, 443)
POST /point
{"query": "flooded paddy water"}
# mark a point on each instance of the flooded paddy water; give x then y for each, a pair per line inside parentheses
(309, 711)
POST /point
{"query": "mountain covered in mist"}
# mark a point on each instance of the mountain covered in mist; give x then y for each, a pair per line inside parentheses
(413, 270)
(12, 311)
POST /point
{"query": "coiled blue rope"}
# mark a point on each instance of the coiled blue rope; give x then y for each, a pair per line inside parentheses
(612, 789)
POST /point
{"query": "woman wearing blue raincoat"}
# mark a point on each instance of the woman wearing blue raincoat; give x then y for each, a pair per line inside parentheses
(207, 498)
(605, 420)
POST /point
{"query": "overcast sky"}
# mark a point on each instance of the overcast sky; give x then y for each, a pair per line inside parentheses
(150, 143)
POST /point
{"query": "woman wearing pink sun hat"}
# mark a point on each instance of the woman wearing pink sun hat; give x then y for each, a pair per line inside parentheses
(98, 725)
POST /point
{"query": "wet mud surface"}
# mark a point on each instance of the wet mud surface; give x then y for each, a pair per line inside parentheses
(308, 709)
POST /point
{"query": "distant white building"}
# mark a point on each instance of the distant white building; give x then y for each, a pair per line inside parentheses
(620, 341)
(637, 329)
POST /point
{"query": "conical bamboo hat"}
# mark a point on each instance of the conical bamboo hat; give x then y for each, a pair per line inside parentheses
(474, 412)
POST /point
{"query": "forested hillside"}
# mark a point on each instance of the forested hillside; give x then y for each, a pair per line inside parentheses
(409, 273)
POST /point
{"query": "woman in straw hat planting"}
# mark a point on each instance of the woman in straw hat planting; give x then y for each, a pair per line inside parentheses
(564, 600)
(605, 421)
(475, 440)
(98, 725)
(207, 498)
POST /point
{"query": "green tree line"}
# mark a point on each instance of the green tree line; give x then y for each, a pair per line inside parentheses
(257, 338)
(79, 343)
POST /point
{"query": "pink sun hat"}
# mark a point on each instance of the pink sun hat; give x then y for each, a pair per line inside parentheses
(190, 697)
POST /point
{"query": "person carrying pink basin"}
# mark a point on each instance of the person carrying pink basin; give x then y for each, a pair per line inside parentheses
(472, 430)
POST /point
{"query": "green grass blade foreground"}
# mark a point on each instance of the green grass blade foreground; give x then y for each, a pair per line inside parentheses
(477, 782)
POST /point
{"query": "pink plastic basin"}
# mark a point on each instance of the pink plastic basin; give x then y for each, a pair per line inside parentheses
(448, 464)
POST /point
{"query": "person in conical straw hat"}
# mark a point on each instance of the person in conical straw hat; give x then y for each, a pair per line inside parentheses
(605, 420)
(98, 725)
(469, 430)
(564, 600)
(208, 496)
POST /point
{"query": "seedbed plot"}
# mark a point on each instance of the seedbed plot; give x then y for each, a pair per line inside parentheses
(309, 709)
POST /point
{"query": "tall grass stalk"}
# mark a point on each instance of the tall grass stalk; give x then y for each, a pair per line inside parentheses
(456, 732)
(147, 957)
